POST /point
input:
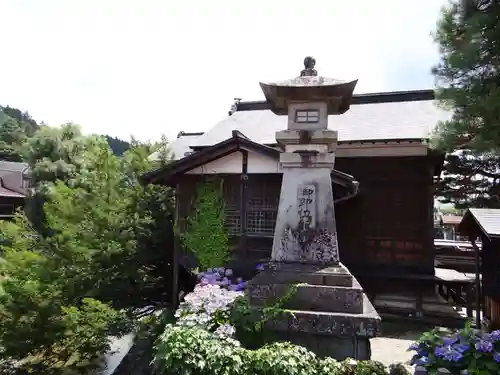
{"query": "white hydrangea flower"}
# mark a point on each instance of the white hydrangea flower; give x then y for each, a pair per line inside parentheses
(199, 306)
(225, 330)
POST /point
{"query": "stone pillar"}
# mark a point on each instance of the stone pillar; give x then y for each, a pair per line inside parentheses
(328, 313)
(305, 226)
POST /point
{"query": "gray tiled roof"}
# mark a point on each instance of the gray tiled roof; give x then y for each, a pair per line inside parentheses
(12, 166)
(5, 192)
(12, 175)
(488, 219)
(363, 122)
(179, 147)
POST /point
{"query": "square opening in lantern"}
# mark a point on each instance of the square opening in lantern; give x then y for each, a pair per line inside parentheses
(307, 116)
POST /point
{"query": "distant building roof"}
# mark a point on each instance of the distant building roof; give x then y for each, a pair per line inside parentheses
(233, 143)
(485, 219)
(180, 147)
(11, 166)
(4, 192)
(12, 175)
(409, 115)
(238, 141)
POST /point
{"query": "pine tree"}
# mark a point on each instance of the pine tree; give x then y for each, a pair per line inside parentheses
(468, 76)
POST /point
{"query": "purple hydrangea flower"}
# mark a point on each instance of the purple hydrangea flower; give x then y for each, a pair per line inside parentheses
(421, 361)
(496, 357)
(453, 356)
(414, 346)
(448, 354)
(238, 287)
(450, 340)
(461, 348)
(440, 351)
(484, 346)
(494, 336)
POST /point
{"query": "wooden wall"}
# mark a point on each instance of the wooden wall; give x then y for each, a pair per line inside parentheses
(388, 225)
(8, 206)
(390, 222)
(490, 267)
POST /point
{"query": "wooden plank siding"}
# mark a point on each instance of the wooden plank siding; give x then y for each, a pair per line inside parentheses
(390, 222)
(9, 205)
(490, 272)
(492, 313)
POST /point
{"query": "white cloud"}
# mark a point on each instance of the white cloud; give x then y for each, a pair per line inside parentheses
(147, 67)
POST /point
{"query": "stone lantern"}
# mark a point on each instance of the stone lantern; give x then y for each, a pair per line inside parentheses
(330, 313)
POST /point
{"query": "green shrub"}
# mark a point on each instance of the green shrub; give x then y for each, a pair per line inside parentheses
(89, 328)
(205, 235)
(195, 351)
(398, 369)
(329, 366)
(282, 358)
(38, 323)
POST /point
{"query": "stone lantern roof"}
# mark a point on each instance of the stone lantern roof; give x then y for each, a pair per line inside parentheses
(309, 87)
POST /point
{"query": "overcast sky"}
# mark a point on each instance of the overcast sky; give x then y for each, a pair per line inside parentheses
(152, 67)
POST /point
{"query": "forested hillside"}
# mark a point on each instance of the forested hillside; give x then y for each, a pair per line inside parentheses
(17, 126)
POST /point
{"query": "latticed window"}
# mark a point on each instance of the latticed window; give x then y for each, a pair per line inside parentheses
(262, 208)
(307, 116)
(231, 192)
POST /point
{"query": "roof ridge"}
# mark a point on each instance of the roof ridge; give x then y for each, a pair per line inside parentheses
(187, 134)
(365, 98)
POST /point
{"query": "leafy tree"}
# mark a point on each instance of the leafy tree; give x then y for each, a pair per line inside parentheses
(12, 139)
(57, 153)
(468, 35)
(105, 253)
(163, 152)
(28, 125)
(39, 308)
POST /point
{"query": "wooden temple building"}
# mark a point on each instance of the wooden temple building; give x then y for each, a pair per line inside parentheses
(385, 226)
(14, 185)
(482, 227)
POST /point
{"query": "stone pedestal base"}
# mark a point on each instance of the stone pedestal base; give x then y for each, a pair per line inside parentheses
(331, 346)
(328, 313)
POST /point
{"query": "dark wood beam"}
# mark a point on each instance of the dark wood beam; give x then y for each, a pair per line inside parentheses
(243, 201)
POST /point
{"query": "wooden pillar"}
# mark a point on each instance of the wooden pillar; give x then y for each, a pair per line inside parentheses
(478, 283)
(469, 301)
(243, 202)
(176, 254)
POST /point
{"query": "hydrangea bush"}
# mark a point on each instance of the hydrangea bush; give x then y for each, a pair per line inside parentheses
(210, 304)
(223, 277)
(203, 341)
(465, 352)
